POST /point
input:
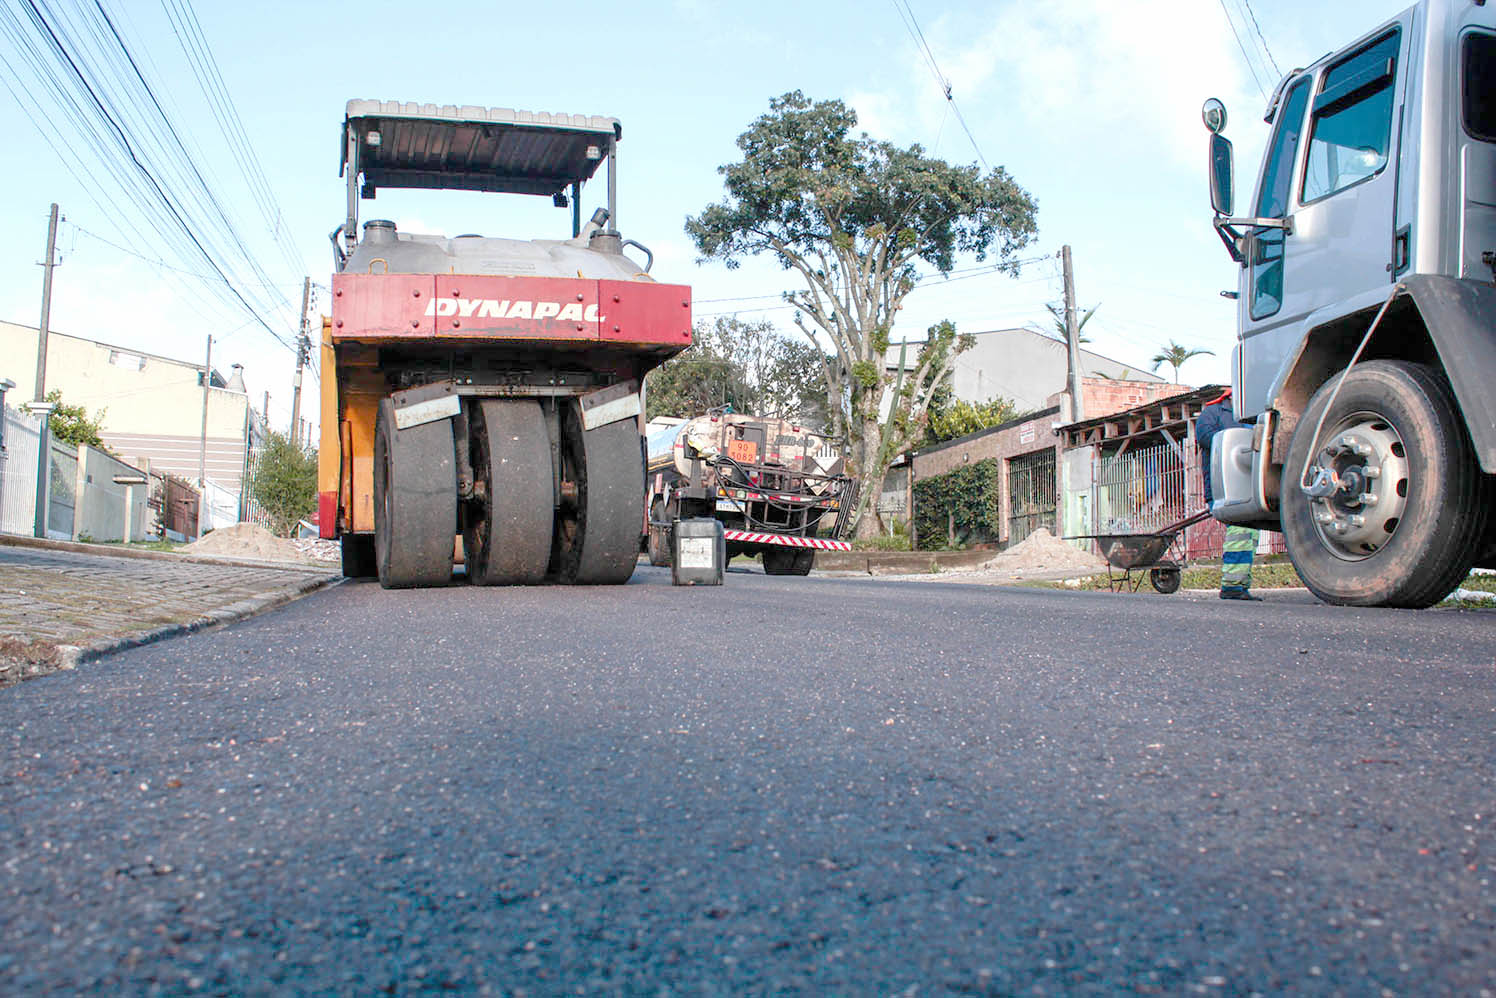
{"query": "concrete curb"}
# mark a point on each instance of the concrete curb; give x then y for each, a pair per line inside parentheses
(900, 562)
(112, 551)
(72, 656)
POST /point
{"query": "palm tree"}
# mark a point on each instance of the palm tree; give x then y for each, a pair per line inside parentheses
(1175, 355)
(1059, 323)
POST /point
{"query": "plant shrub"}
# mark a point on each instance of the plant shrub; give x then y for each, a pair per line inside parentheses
(971, 493)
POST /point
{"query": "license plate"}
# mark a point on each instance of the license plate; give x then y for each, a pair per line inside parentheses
(697, 552)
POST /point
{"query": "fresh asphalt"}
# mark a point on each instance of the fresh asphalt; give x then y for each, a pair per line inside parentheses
(779, 786)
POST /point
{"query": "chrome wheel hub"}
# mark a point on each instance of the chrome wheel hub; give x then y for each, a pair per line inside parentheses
(1368, 468)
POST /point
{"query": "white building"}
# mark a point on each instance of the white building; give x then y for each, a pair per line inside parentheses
(152, 405)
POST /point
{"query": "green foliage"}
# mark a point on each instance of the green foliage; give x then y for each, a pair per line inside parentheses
(898, 540)
(1061, 333)
(1175, 355)
(952, 417)
(971, 493)
(747, 365)
(70, 423)
(284, 483)
(855, 218)
(805, 185)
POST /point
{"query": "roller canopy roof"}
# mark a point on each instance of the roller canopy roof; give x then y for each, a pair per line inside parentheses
(441, 147)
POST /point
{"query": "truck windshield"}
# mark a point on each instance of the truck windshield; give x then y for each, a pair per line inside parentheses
(1480, 86)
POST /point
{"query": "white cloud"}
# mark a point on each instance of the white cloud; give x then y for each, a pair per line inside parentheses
(1131, 75)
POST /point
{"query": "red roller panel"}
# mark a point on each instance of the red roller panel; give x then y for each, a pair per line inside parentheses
(327, 515)
(526, 308)
(382, 306)
(644, 312)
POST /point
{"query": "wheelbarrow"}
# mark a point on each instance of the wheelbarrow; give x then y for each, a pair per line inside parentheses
(1140, 556)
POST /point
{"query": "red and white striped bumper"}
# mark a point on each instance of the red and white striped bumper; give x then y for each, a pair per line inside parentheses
(788, 541)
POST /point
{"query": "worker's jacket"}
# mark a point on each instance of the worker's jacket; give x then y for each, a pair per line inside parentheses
(1212, 420)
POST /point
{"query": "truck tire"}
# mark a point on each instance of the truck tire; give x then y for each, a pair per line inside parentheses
(659, 537)
(507, 535)
(788, 561)
(415, 501)
(778, 561)
(1404, 525)
(357, 551)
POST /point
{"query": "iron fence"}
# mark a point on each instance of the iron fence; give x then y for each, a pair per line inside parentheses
(1032, 494)
(1144, 489)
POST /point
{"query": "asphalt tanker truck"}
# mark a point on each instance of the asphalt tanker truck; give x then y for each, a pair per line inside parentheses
(780, 490)
(481, 395)
(1366, 312)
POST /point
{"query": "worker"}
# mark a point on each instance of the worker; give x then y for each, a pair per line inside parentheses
(1241, 542)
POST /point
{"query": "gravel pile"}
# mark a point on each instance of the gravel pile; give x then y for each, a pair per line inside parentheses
(1043, 551)
(247, 540)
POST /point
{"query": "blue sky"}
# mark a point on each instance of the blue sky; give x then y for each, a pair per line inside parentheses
(1092, 105)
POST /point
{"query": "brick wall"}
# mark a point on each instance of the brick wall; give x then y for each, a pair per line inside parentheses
(1033, 433)
(1104, 396)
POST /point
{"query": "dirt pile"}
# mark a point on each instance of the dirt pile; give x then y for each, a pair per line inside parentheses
(246, 540)
(1043, 551)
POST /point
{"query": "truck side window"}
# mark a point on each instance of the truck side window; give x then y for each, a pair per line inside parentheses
(1351, 127)
(1480, 86)
(1272, 202)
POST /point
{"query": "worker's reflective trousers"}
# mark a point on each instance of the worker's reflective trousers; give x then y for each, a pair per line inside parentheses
(1236, 558)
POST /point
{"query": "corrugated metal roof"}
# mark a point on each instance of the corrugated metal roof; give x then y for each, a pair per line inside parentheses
(473, 148)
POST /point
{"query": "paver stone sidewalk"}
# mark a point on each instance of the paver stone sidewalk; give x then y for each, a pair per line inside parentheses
(59, 607)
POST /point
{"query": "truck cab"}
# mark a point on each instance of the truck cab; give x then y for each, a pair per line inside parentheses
(1367, 311)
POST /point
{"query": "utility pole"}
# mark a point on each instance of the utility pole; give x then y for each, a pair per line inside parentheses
(41, 333)
(40, 406)
(202, 451)
(1072, 341)
(303, 345)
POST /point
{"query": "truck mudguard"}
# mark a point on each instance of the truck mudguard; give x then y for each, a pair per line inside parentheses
(1461, 320)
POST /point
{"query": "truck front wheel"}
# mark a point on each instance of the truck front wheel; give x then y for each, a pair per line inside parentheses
(1408, 506)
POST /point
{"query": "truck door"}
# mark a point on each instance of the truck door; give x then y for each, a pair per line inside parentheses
(1335, 137)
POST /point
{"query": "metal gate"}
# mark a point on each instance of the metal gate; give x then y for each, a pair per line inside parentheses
(1032, 491)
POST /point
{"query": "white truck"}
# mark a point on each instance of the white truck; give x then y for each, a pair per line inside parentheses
(1367, 312)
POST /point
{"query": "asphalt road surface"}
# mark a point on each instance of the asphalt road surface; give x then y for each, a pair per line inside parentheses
(780, 786)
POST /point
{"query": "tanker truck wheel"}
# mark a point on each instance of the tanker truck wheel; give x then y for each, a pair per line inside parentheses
(659, 537)
(602, 508)
(1403, 525)
(415, 501)
(507, 530)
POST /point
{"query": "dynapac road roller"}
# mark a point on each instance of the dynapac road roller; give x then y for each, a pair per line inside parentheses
(480, 395)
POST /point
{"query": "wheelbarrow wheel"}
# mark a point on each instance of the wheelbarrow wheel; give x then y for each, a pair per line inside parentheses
(1165, 580)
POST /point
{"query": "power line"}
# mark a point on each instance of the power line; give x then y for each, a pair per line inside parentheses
(104, 96)
(1260, 37)
(911, 24)
(1239, 44)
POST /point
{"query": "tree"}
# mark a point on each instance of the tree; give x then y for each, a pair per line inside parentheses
(747, 365)
(1175, 355)
(854, 218)
(1059, 323)
(284, 484)
(71, 425)
(951, 417)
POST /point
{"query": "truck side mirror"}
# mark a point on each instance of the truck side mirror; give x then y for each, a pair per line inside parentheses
(1222, 192)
